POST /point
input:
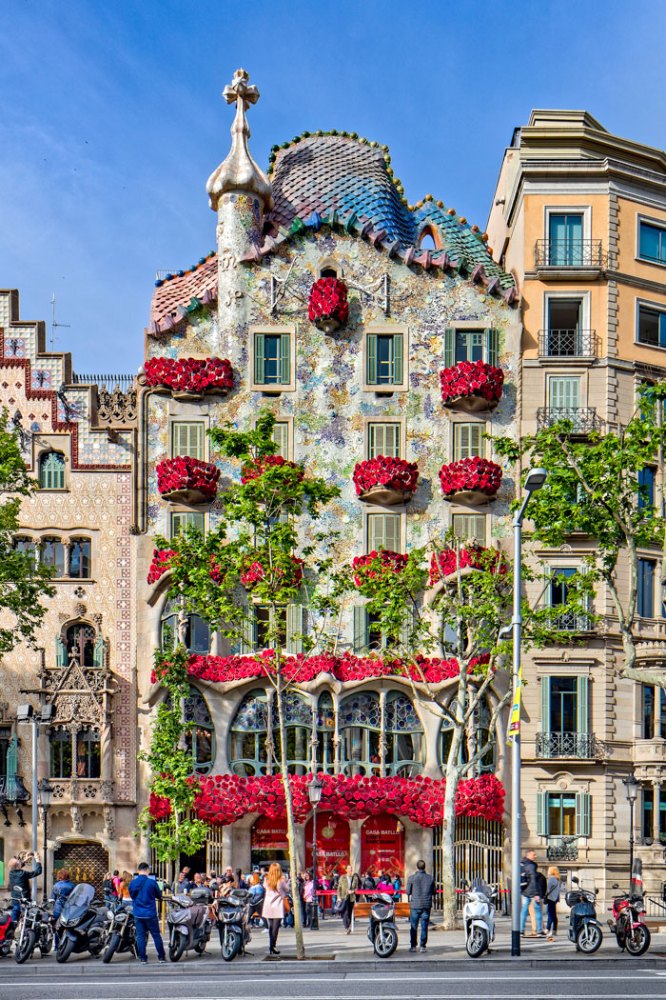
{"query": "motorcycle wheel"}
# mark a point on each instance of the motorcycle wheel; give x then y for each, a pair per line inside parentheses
(638, 941)
(111, 947)
(65, 949)
(46, 942)
(385, 942)
(201, 947)
(231, 944)
(589, 939)
(477, 942)
(96, 946)
(24, 948)
(176, 950)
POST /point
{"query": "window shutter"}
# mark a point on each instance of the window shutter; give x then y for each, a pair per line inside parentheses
(371, 351)
(248, 639)
(492, 347)
(582, 705)
(285, 358)
(360, 629)
(60, 652)
(294, 628)
(542, 814)
(392, 445)
(281, 438)
(583, 815)
(398, 358)
(449, 348)
(545, 705)
(259, 375)
(98, 654)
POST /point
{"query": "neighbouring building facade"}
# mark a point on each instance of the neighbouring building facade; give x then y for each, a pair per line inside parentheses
(579, 218)
(77, 439)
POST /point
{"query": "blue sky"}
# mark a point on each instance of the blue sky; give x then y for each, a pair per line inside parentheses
(111, 120)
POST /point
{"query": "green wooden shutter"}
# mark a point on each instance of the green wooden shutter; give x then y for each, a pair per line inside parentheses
(492, 347)
(583, 721)
(449, 348)
(98, 653)
(583, 815)
(281, 437)
(371, 350)
(398, 358)
(294, 628)
(545, 704)
(60, 653)
(542, 814)
(360, 629)
(259, 374)
(285, 359)
(248, 639)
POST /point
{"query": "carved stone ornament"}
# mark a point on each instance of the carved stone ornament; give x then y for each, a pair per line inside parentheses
(77, 819)
(109, 825)
(80, 610)
(117, 407)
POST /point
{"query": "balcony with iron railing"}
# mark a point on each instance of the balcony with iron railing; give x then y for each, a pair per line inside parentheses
(567, 343)
(562, 849)
(574, 254)
(577, 746)
(573, 621)
(580, 419)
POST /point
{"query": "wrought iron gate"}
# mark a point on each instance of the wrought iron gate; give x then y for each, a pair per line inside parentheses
(85, 860)
(478, 851)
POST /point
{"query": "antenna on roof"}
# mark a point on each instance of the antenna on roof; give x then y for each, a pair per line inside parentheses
(54, 325)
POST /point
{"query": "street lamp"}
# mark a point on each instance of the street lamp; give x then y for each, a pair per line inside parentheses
(631, 785)
(26, 714)
(45, 793)
(534, 481)
(315, 789)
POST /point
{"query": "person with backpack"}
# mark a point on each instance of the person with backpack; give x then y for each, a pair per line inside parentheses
(530, 892)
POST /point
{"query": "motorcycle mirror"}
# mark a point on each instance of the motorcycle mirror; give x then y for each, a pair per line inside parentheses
(615, 886)
(575, 880)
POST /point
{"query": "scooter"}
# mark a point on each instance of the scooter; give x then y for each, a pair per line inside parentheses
(479, 918)
(82, 925)
(584, 928)
(628, 923)
(189, 923)
(121, 931)
(34, 930)
(382, 930)
(233, 918)
(7, 928)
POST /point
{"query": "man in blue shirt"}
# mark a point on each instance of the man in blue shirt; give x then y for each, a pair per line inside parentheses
(145, 893)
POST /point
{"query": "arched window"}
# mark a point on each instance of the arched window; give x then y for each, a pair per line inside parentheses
(328, 272)
(88, 757)
(325, 733)
(52, 553)
(298, 725)
(52, 471)
(473, 741)
(81, 641)
(79, 558)
(61, 753)
(248, 734)
(404, 737)
(427, 240)
(200, 739)
(196, 631)
(360, 722)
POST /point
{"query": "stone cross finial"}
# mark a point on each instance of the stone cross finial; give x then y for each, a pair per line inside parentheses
(240, 90)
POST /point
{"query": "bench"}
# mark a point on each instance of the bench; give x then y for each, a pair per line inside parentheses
(362, 911)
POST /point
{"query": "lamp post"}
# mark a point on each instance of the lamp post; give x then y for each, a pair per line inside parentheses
(45, 792)
(315, 789)
(534, 481)
(26, 714)
(631, 785)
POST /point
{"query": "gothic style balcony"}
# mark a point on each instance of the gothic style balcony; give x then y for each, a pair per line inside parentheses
(573, 254)
(581, 746)
(567, 344)
(12, 789)
(582, 419)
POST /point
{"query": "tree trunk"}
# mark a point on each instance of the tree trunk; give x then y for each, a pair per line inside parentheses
(449, 906)
(291, 834)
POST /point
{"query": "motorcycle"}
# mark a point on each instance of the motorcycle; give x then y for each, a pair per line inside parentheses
(584, 928)
(233, 915)
(34, 930)
(121, 930)
(382, 930)
(628, 923)
(7, 928)
(189, 923)
(82, 925)
(479, 918)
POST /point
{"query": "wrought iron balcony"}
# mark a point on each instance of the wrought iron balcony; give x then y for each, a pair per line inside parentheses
(562, 849)
(569, 253)
(581, 419)
(567, 343)
(12, 789)
(572, 621)
(578, 745)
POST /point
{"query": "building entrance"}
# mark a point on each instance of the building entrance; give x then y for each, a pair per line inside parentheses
(85, 860)
(269, 841)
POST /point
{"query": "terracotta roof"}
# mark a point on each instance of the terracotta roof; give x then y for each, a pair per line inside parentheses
(183, 292)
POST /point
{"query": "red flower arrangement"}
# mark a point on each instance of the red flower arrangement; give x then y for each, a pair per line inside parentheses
(226, 798)
(474, 474)
(159, 808)
(291, 576)
(446, 562)
(376, 564)
(328, 307)
(471, 378)
(187, 475)
(386, 473)
(192, 375)
(252, 470)
(160, 564)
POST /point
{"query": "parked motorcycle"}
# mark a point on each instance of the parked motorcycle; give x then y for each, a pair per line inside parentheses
(628, 923)
(34, 930)
(189, 923)
(584, 928)
(479, 918)
(7, 928)
(121, 930)
(382, 930)
(233, 914)
(82, 925)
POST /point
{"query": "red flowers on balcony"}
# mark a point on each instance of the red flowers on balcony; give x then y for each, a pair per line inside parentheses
(446, 563)
(471, 480)
(375, 566)
(385, 480)
(187, 479)
(190, 376)
(260, 465)
(472, 386)
(284, 575)
(160, 564)
(328, 308)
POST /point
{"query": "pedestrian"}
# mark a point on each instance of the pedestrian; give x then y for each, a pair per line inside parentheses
(308, 898)
(108, 889)
(276, 891)
(384, 884)
(397, 888)
(530, 892)
(59, 894)
(347, 888)
(538, 901)
(182, 883)
(240, 881)
(255, 898)
(368, 882)
(420, 890)
(19, 880)
(552, 899)
(116, 882)
(124, 887)
(146, 894)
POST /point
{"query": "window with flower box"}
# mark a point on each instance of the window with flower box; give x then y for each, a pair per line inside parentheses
(384, 438)
(462, 343)
(384, 531)
(470, 527)
(468, 440)
(182, 520)
(273, 359)
(188, 437)
(385, 359)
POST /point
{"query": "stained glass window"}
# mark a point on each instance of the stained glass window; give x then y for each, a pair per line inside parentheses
(360, 721)
(200, 739)
(52, 471)
(247, 737)
(404, 736)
